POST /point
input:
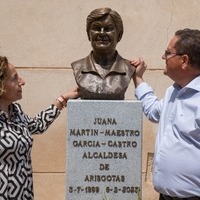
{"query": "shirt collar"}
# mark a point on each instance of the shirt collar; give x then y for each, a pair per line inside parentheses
(192, 85)
(118, 66)
(12, 108)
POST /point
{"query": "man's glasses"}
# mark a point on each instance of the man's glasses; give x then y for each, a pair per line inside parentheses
(169, 53)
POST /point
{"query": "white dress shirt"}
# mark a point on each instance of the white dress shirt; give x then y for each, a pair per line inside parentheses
(177, 147)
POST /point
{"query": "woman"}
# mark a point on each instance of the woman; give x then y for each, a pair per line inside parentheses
(103, 74)
(16, 129)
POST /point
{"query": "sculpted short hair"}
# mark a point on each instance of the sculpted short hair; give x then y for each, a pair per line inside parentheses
(189, 44)
(100, 13)
(3, 66)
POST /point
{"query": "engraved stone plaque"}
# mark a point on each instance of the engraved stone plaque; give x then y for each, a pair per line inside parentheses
(104, 150)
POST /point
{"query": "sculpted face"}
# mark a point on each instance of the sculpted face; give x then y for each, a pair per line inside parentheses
(103, 35)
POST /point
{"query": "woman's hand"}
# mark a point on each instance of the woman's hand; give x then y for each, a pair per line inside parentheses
(71, 94)
(61, 101)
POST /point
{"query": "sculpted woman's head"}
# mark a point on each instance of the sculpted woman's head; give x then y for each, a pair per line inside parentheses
(101, 14)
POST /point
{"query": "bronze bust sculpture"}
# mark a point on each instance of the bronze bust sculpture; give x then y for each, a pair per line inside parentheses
(103, 74)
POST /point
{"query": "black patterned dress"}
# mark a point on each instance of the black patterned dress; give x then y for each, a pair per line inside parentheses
(16, 182)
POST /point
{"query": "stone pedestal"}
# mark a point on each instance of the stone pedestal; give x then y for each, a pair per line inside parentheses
(104, 150)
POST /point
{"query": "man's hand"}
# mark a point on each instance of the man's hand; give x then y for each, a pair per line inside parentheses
(139, 71)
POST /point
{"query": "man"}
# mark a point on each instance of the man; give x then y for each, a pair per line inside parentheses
(177, 150)
(104, 74)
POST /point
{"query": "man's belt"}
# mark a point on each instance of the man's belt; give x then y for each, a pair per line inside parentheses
(176, 198)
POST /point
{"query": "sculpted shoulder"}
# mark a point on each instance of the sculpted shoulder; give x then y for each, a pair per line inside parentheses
(130, 69)
(78, 64)
(124, 65)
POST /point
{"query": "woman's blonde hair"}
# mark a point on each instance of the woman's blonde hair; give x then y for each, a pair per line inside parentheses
(3, 66)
